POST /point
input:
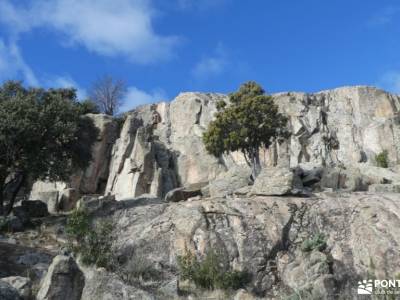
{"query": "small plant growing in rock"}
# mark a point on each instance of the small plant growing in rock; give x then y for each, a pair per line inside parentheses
(317, 242)
(138, 270)
(210, 273)
(92, 243)
(382, 159)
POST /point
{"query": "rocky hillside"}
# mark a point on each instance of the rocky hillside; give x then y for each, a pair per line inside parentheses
(323, 214)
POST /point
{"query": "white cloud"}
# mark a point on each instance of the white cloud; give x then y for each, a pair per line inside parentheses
(13, 66)
(135, 97)
(390, 82)
(210, 66)
(110, 28)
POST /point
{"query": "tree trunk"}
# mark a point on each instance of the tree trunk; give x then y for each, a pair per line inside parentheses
(255, 163)
(20, 183)
(2, 185)
(1, 200)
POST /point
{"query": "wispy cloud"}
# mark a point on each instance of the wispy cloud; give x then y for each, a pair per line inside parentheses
(384, 16)
(135, 97)
(12, 64)
(213, 65)
(390, 82)
(110, 28)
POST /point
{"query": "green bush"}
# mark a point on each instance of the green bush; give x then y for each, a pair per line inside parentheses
(382, 159)
(317, 242)
(92, 243)
(210, 273)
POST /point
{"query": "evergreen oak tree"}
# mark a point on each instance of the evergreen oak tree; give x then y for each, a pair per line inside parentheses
(43, 135)
(249, 121)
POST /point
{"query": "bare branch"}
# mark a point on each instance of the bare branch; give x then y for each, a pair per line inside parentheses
(108, 93)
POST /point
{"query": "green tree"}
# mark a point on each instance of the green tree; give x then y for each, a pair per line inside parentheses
(249, 121)
(43, 135)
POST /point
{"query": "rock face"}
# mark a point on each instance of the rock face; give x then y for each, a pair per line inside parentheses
(160, 145)
(265, 236)
(342, 126)
(63, 281)
(63, 195)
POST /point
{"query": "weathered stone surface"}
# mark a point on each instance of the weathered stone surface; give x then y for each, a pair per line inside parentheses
(94, 178)
(63, 281)
(263, 235)
(101, 285)
(341, 126)
(23, 285)
(7, 292)
(384, 188)
(226, 183)
(276, 181)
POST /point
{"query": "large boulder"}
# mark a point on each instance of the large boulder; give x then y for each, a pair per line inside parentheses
(184, 193)
(277, 182)
(63, 281)
(33, 208)
(227, 183)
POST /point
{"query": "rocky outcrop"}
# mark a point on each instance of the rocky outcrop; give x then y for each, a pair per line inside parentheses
(63, 281)
(265, 236)
(160, 145)
(342, 126)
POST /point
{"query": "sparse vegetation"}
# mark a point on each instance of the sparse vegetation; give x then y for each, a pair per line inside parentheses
(92, 243)
(382, 159)
(139, 269)
(317, 242)
(210, 273)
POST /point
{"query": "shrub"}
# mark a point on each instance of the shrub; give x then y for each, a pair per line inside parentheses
(317, 242)
(382, 159)
(139, 269)
(210, 273)
(92, 243)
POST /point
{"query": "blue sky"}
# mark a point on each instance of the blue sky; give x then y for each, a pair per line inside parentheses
(163, 47)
